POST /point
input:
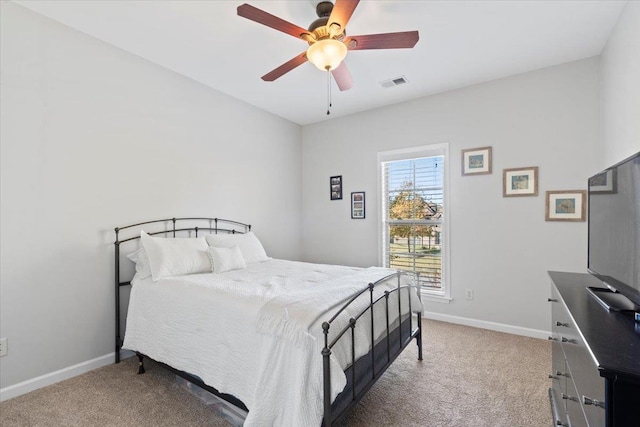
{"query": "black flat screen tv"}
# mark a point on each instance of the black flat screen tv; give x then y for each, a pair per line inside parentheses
(614, 227)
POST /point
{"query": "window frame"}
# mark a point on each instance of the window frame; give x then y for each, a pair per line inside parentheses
(441, 149)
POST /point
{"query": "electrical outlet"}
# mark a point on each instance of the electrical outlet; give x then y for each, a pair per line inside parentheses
(3, 347)
(469, 294)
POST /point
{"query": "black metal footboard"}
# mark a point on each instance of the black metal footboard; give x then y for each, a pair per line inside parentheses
(363, 373)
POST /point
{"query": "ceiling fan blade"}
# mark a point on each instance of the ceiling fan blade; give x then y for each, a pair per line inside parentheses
(406, 39)
(286, 67)
(264, 18)
(342, 76)
(342, 11)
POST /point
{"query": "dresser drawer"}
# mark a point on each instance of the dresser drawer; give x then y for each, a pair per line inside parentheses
(575, 413)
(561, 319)
(558, 374)
(584, 375)
(589, 389)
(558, 408)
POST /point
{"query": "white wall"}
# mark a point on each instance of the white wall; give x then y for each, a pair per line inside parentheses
(500, 247)
(620, 88)
(93, 137)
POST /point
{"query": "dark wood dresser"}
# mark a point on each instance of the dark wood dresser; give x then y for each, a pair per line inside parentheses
(595, 358)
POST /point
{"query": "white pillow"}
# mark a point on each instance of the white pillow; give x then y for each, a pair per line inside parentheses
(249, 245)
(226, 259)
(175, 256)
(140, 258)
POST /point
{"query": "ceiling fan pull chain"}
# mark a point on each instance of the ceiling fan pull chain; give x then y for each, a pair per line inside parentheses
(328, 92)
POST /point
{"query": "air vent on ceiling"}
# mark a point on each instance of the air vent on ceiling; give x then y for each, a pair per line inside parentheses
(394, 82)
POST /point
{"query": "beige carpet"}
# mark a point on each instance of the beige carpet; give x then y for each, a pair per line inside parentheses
(469, 377)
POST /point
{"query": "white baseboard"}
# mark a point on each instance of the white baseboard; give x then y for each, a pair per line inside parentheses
(60, 375)
(494, 326)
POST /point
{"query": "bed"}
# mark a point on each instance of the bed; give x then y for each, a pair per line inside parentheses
(292, 343)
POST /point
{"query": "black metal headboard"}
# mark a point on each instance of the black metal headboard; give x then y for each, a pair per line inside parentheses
(169, 227)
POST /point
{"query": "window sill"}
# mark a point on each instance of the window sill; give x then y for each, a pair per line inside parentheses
(436, 298)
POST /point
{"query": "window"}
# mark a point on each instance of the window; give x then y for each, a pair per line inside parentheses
(413, 214)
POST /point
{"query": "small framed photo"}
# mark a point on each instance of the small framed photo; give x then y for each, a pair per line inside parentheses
(520, 182)
(476, 161)
(335, 183)
(566, 205)
(604, 183)
(357, 205)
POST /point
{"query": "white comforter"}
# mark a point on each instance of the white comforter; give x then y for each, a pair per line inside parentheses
(256, 333)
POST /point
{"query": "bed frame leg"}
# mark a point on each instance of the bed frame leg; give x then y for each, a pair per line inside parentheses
(326, 375)
(140, 364)
(419, 337)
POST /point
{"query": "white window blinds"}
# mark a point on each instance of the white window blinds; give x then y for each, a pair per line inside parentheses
(413, 213)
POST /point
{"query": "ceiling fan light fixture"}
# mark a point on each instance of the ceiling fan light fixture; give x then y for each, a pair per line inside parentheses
(327, 54)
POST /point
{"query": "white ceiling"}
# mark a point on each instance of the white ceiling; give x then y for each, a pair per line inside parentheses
(461, 43)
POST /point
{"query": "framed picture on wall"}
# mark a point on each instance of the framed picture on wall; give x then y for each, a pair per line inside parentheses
(335, 184)
(357, 205)
(520, 182)
(476, 161)
(566, 205)
(604, 183)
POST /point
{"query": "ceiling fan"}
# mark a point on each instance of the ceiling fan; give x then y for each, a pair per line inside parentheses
(327, 38)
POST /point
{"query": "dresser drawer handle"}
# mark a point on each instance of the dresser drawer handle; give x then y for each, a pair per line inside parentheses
(568, 340)
(552, 300)
(566, 325)
(589, 401)
(558, 375)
